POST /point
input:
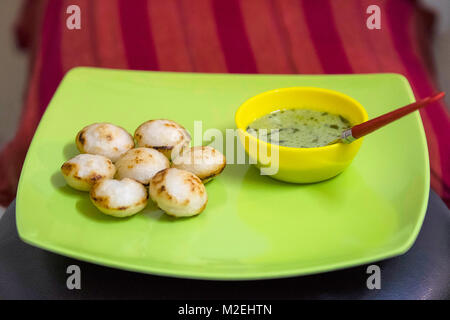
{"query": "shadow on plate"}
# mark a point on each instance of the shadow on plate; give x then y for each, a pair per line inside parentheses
(84, 204)
(85, 207)
(153, 212)
(70, 150)
(60, 184)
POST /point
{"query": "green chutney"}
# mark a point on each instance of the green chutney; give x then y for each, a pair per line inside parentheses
(299, 128)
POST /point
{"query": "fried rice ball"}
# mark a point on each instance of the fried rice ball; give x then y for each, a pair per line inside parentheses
(84, 170)
(141, 164)
(163, 135)
(104, 139)
(119, 198)
(205, 162)
(178, 192)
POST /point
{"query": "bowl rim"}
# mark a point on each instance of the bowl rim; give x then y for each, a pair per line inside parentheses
(304, 88)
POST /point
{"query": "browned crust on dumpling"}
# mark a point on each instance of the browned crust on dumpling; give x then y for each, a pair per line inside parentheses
(68, 167)
(159, 176)
(80, 141)
(195, 183)
(159, 148)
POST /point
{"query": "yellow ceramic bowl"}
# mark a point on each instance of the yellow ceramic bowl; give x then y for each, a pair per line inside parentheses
(299, 165)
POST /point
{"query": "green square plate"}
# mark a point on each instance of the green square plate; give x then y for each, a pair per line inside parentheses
(253, 227)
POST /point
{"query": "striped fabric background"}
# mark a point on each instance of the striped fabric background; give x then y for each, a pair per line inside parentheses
(248, 36)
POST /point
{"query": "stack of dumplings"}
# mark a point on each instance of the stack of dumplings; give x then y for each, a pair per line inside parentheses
(117, 175)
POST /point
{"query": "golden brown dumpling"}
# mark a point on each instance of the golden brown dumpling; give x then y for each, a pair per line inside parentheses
(163, 135)
(178, 192)
(205, 162)
(119, 198)
(84, 170)
(104, 139)
(141, 164)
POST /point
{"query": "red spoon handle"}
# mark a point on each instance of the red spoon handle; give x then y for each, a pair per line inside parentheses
(367, 127)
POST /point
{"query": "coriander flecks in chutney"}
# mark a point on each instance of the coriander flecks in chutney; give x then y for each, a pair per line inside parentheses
(300, 128)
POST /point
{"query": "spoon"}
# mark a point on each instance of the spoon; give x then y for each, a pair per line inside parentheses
(360, 130)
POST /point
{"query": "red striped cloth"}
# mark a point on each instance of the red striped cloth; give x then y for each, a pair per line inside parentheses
(248, 36)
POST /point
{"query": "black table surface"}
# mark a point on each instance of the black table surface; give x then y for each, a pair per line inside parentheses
(423, 272)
